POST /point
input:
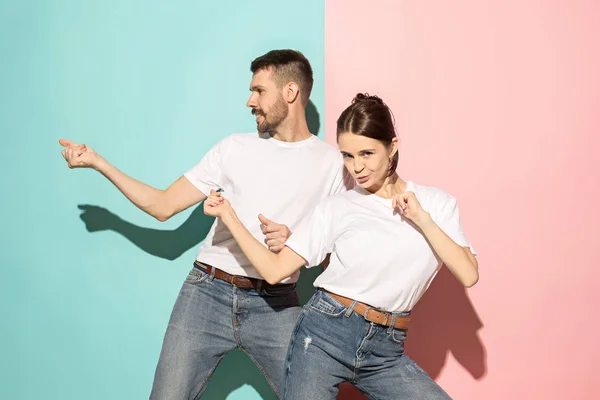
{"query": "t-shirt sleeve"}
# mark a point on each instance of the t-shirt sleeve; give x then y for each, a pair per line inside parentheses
(312, 239)
(207, 174)
(449, 222)
(343, 181)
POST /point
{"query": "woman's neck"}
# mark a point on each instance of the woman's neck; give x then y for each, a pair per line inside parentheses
(392, 186)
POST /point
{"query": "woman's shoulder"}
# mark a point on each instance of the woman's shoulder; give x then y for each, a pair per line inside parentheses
(432, 198)
(430, 192)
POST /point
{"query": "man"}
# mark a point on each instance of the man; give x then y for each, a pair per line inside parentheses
(282, 171)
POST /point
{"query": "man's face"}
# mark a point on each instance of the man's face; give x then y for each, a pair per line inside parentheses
(266, 101)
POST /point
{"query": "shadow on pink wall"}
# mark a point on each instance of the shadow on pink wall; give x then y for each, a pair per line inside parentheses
(444, 322)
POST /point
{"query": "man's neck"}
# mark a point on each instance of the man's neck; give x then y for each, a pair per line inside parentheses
(292, 130)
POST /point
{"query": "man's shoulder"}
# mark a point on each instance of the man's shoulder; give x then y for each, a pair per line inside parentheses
(326, 149)
(235, 140)
(321, 149)
(241, 137)
(322, 144)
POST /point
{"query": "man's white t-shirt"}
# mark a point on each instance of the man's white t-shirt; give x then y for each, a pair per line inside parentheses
(377, 258)
(284, 181)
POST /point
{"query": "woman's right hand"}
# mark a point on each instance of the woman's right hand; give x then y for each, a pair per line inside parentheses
(216, 205)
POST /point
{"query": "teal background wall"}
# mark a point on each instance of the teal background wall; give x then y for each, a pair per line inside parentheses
(151, 85)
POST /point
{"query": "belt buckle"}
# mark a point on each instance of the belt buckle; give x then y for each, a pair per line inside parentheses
(233, 280)
(242, 279)
(384, 322)
(367, 314)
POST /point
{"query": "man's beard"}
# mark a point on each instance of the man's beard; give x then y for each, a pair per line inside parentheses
(279, 112)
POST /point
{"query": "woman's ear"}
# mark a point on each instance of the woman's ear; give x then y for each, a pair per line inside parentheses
(393, 147)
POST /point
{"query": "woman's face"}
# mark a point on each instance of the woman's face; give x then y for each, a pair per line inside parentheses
(368, 160)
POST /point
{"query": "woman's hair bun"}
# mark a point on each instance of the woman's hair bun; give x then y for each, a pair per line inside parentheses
(361, 97)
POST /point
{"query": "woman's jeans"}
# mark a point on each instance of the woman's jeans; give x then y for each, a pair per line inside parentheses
(331, 344)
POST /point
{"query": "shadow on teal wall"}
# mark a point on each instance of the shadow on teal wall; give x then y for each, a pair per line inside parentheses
(236, 369)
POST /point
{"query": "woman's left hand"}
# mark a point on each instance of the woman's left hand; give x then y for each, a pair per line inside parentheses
(215, 205)
(408, 206)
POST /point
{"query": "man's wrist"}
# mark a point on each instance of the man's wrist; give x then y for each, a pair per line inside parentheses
(100, 165)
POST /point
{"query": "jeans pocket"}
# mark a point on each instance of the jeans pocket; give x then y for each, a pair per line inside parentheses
(196, 276)
(325, 305)
(398, 335)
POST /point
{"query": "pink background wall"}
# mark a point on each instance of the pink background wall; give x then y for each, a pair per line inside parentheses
(497, 102)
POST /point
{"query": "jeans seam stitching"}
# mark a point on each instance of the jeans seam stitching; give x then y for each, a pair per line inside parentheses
(263, 372)
(290, 352)
(322, 312)
(234, 319)
(235, 326)
(370, 395)
(196, 282)
(357, 361)
(203, 384)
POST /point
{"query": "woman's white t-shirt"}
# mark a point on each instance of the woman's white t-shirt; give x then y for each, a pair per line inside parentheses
(377, 257)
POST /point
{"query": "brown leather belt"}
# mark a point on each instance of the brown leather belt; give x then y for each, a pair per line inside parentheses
(238, 281)
(372, 314)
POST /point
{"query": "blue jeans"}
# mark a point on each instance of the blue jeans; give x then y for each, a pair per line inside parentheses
(331, 344)
(210, 318)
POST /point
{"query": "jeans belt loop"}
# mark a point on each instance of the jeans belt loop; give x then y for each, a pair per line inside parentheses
(350, 309)
(259, 287)
(392, 324)
(366, 316)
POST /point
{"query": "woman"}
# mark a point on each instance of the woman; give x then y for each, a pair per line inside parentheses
(387, 238)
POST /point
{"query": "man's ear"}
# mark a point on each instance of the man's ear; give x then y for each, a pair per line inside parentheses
(292, 91)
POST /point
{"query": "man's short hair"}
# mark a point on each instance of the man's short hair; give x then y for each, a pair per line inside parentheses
(288, 66)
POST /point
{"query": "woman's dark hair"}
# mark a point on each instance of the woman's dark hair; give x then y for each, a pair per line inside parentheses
(369, 116)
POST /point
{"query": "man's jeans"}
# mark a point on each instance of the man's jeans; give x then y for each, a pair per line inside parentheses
(210, 318)
(331, 344)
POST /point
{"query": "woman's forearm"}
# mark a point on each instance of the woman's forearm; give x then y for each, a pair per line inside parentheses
(460, 261)
(273, 267)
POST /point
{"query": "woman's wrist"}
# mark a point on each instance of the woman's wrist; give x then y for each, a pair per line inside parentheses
(425, 222)
(229, 217)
